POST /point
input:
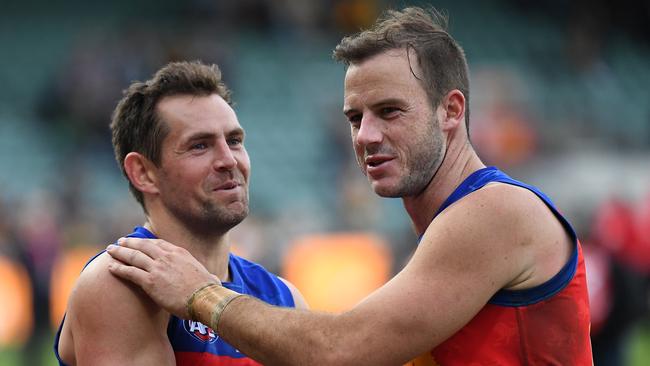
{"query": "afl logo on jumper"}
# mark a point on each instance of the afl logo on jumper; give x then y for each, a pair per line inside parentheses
(200, 331)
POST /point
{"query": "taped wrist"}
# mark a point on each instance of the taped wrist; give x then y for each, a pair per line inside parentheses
(208, 303)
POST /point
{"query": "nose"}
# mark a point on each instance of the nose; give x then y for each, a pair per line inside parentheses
(224, 158)
(369, 132)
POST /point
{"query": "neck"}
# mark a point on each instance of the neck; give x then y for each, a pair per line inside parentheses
(211, 250)
(460, 161)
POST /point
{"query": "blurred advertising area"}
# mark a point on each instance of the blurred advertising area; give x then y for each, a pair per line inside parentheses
(559, 100)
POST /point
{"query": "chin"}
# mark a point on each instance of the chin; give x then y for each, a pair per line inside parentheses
(235, 213)
(224, 222)
(384, 191)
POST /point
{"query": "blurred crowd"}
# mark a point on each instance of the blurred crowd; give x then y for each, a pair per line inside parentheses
(46, 235)
(617, 253)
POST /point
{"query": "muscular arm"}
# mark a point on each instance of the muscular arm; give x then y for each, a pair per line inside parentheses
(476, 247)
(113, 322)
(460, 263)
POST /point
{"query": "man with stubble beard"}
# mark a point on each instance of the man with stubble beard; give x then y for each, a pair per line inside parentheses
(181, 147)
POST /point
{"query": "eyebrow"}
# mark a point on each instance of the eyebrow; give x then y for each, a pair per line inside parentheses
(200, 136)
(210, 135)
(382, 102)
(238, 131)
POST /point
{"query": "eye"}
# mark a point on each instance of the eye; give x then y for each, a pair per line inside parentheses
(355, 120)
(234, 141)
(199, 146)
(389, 112)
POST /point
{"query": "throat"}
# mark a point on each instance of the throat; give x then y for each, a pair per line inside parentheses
(215, 258)
(421, 211)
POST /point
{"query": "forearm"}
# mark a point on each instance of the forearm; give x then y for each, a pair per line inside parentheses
(278, 336)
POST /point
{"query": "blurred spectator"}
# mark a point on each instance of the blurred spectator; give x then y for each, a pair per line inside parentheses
(622, 229)
(16, 299)
(39, 236)
(618, 280)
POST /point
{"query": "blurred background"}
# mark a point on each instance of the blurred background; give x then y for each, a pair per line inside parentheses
(560, 99)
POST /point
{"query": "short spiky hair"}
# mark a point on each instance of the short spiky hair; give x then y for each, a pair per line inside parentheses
(440, 57)
(135, 125)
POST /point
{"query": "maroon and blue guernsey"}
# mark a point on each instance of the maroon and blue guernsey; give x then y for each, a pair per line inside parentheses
(544, 325)
(196, 344)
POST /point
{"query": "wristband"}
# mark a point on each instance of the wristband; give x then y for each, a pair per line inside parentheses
(211, 298)
(220, 307)
(190, 303)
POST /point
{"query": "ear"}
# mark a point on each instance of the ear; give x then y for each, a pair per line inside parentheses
(141, 173)
(452, 110)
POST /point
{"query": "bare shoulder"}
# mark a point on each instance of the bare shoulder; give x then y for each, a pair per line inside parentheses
(501, 209)
(298, 299)
(468, 253)
(109, 320)
(507, 199)
(514, 223)
(548, 244)
(477, 237)
(97, 291)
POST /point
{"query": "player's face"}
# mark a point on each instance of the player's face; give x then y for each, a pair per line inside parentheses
(396, 136)
(204, 168)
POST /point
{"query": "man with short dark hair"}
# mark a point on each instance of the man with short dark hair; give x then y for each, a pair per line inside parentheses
(497, 278)
(181, 147)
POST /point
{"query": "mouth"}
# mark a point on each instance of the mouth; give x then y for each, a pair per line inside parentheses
(228, 185)
(374, 161)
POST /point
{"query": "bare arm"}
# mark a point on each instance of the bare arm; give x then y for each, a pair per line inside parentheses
(114, 323)
(448, 280)
(469, 252)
